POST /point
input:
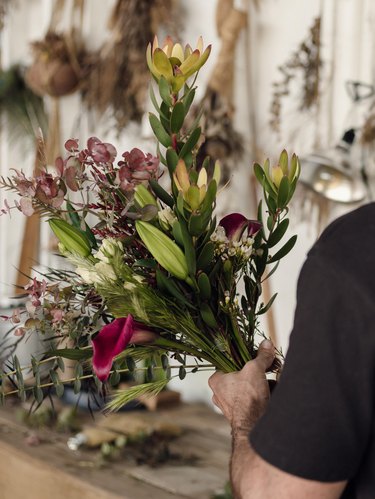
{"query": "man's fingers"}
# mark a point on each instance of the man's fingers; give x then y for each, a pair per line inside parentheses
(265, 355)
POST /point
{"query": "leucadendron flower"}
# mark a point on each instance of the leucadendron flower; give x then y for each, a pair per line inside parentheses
(276, 173)
(175, 63)
(193, 193)
(72, 239)
(163, 249)
(113, 338)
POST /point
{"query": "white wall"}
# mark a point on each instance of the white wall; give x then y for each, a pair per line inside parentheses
(275, 29)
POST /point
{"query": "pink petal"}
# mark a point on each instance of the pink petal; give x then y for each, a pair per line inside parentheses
(111, 340)
(26, 206)
(71, 145)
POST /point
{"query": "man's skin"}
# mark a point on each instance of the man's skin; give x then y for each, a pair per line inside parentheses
(242, 398)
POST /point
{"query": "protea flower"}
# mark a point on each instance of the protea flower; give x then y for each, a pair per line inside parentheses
(174, 63)
(113, 338)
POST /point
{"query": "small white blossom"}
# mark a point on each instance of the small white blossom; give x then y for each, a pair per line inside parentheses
(166, 218)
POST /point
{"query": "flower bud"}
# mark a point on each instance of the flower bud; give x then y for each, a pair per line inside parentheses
(163, 249)
(74, 240)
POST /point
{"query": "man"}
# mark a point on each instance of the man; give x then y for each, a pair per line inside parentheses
(315, 437)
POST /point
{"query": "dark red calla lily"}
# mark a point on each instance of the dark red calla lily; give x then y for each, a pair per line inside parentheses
(112, 339)
(235, 225)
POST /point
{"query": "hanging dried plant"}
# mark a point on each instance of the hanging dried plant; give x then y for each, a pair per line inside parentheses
(4, 5)
(56, 67)
(305, 63)
(23, 108)
(116, 76)
(222, 141)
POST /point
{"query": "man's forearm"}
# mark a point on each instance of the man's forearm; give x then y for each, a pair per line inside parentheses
(242, 465)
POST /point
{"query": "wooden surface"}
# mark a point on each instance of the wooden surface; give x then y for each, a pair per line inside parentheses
(51, 471)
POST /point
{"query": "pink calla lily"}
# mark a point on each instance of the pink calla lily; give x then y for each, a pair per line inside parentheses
(112, 339)
(235, 225)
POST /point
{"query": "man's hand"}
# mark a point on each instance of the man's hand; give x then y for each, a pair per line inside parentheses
(243, 396)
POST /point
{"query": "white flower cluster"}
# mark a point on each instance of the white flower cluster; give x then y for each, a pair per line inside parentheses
(101, 271)
(166, 218)
(226, 248)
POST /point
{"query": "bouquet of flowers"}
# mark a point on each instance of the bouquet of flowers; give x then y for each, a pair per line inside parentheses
(155, 275)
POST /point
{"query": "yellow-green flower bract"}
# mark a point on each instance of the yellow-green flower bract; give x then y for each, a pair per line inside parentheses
(73, 239)
(163, 249)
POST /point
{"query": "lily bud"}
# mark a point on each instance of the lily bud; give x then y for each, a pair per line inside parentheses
(174, 63)
(143, 196)
(73, 240)
(163, 249)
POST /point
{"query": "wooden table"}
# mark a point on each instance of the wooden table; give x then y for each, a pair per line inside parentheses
(52, 471)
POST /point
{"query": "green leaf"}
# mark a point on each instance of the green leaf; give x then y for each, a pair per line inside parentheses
(263, 180)
(189, 249)
(265, 309)
(182, 373)
(191, 142)
(198, 223)
(164, 362)
(161, 193)
(77, 386)
(188, 99)
(261, 261)
(283, 193)
(181, 204)
(73, 215)
(165, 91)
(159, 131)
(204, 286)
(167, 284)
(59, 390)
(210, 197)
(177, 234)
(148, 263)
(276, 236)
(177, 117)
(154, 100)
(114, 378)
(206, 256)
(131, 365)
(207, 315)
(172, 160)
(38, 394)
(284, 250)
(72, 353)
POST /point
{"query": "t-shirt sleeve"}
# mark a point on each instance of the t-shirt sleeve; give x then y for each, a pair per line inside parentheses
(319, 418)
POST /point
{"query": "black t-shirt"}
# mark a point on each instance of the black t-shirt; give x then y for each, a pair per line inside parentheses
(320, 421)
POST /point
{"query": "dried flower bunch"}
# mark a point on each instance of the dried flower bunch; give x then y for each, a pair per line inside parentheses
(304, 63)
(116, 77)
(155, 275)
